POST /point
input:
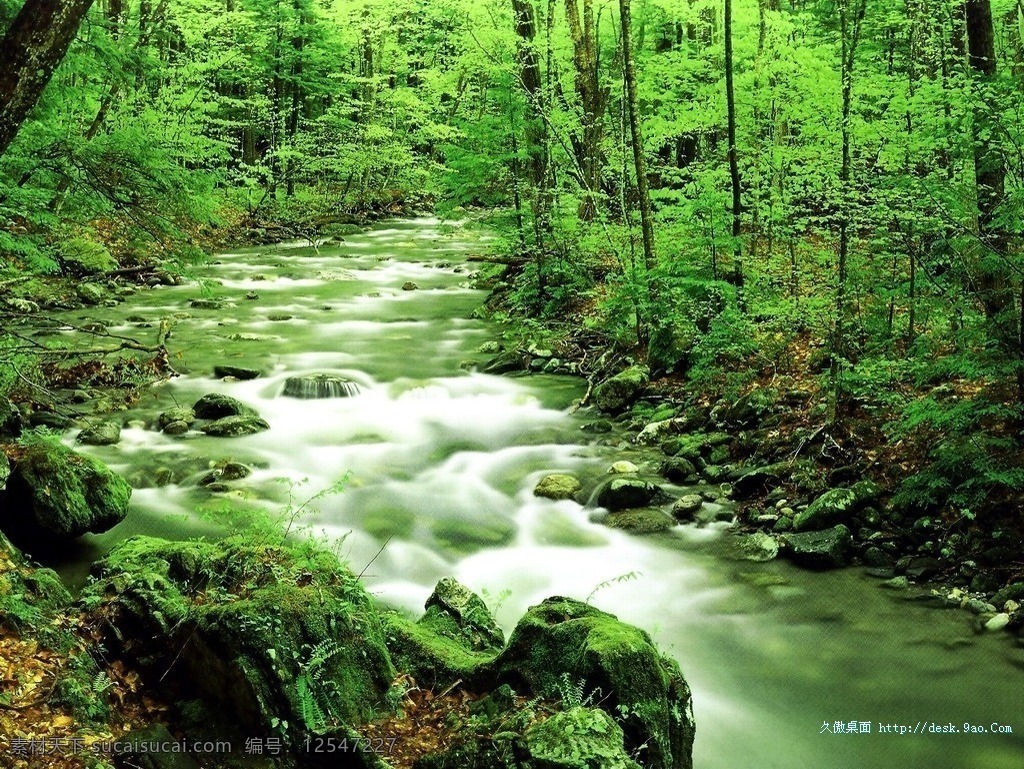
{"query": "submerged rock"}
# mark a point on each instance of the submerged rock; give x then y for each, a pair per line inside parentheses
(319, 386)
(101, 434)
(56, 491)
(238, 372)
(236, 426)
(558, 486)
(562, 639)
(620, 391)
(206, 304)
(644, 521)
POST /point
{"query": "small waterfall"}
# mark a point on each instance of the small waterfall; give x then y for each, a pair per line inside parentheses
(319, 386)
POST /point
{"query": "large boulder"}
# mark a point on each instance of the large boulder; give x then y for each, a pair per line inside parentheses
(617, 664)
(218, 406)
(643, 521)
(616, 394)
(752, 482)
(275, 640)
(624, 493)
(828, 549)
(54, 491)
(578, 738)
(835, 506)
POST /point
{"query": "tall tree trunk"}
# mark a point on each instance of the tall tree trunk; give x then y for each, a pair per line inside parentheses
(992, 282)
(635, 129)
(34, 45)
(734, 165)
(593, 102)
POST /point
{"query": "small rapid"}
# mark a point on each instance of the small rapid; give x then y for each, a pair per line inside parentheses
(384, 441)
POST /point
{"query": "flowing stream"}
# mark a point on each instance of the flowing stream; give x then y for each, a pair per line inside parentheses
(443, 461)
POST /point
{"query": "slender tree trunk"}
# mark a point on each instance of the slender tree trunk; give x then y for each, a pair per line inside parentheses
(33, 46)
(993, 284)
(593, 102)
(636, 132)
(734, 166)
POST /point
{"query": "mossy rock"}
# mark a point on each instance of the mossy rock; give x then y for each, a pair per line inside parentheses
(558, 486)
(5, 470)
(217, 406)
(236, 426)
(643, 521)
(835, 507)
(578, 738)
(452, 641)
(54, 491)
(268, 635)
(618, 393)
(11, 420)
(468, 536)
(563, 639)
(83, 257)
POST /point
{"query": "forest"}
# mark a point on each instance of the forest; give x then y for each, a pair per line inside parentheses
(558, 368)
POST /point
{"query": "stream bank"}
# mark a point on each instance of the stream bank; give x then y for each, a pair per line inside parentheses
(439, 465)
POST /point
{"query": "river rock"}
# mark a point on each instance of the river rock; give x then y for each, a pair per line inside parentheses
(1012, 592)
(506, 363)
(656, 433)
(835, 506)
(409, 286)
(90, 293)
(642, 521)
(578, 738)
(827, 549)
(469, 614)
(619, 392)
(238, 372)
(677, 470)
(206, 304)
(100, 434)
(623, 467)
(751, 483)
(236, 426)
(11, 420)
(749, 409)
(217, 406)
(558, 486)
(624, 493)
(54, 491)
(279, 317)
(319, 386)
(759, 547)
(998, 622)
(563, 639)
(256, 632)
(176, 428)
(687, 506)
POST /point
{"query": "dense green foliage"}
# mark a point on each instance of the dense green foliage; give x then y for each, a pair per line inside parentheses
(878, 255)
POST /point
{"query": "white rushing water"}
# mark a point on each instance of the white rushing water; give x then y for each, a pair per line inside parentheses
(440, 463)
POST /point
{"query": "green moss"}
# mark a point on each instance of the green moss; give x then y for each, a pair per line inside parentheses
(283, 639)
(389, 523)
(579, 738)
(468, 536)
(616, 663)
(432, 654)
(65, 493)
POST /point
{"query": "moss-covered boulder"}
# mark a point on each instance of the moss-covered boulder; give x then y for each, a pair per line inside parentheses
(452, 641)
(642, 521)
(54, 491)
(835, 507)
(578, 738)
(625, 493)
(558, 486)
(100, 434)
(616, 394)
(275, 639)
(176, 414)
(563, 639)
